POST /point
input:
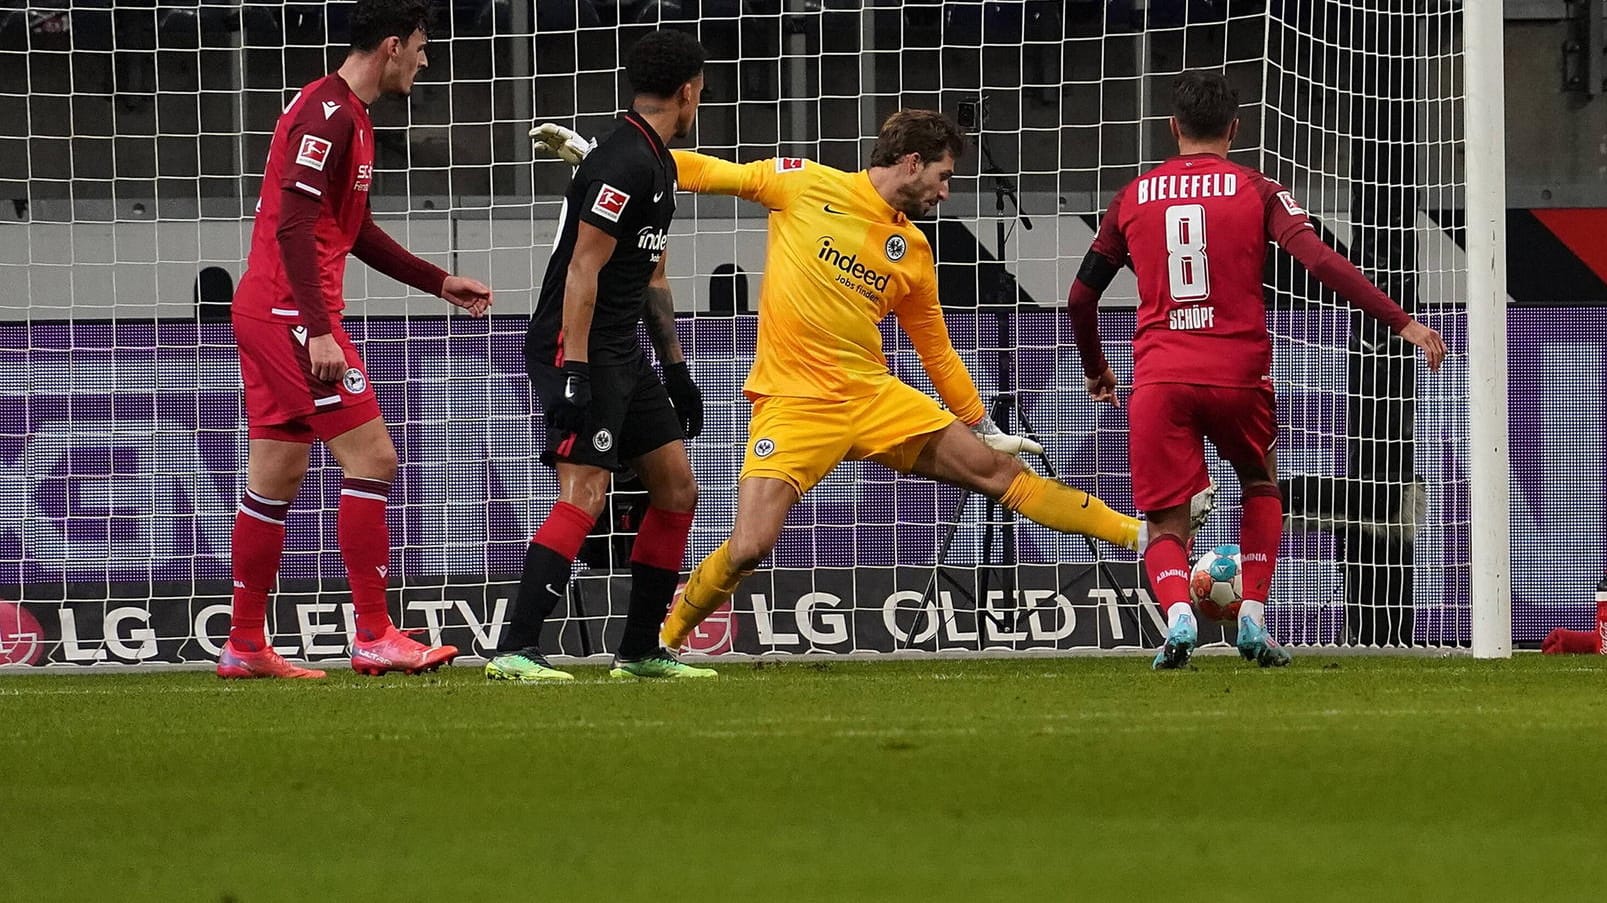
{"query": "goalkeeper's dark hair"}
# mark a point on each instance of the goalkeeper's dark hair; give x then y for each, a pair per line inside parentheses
(373, 21)
(925, 132)
(662, 61)
(1205, 104)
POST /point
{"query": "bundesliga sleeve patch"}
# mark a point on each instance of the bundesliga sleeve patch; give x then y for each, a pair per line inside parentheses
(1289, 204)
(314, 151)
(789, 164)
(610, 203)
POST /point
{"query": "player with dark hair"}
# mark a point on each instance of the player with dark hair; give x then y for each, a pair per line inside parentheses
(843, 254)
(606, 409)
(1195, 231)
(304, 380)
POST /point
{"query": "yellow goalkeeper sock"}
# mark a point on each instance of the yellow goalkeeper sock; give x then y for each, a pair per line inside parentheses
(1060, 507)
(709, 587)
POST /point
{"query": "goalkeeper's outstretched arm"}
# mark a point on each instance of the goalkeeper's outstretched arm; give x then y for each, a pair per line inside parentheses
(921, 318)
(565, 144)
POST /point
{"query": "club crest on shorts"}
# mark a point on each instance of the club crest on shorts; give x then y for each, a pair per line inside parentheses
(603, 441)
(764, 448)
(895, 248)
(354, 381)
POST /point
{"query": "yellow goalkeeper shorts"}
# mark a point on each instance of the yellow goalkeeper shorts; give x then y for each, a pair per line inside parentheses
(800, 440)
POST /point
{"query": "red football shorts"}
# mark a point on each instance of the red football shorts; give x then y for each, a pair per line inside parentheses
(1168, 423)
(284, 400)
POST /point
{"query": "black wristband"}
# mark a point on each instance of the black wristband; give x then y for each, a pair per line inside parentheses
(677, 370)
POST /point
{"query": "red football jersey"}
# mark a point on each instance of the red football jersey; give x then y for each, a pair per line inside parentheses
(322, 147)
(1195, 231)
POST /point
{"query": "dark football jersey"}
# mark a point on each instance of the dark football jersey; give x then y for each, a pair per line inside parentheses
(625, 187)
(1195, 230)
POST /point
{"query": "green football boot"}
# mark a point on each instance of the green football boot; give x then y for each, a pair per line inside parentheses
(658, 665)
(525, 666)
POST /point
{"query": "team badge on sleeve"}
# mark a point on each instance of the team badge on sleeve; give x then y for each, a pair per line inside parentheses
(314, 151)
(789, 164)
(1289, 204)
(610, 203)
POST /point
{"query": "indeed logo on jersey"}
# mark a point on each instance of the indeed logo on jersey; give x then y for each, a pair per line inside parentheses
(651, 239)
(849, 264)
(1175, 188)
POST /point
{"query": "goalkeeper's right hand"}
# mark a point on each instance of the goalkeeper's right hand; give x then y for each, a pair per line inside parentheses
(999, 440)
(566, 144)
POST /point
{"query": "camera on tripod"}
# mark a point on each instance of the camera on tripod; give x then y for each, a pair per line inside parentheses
(972, 115)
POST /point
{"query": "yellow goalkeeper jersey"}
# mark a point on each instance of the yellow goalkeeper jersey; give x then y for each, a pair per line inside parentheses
(839, 259)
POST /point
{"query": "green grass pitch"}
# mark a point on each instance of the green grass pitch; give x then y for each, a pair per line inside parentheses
(1345, 778)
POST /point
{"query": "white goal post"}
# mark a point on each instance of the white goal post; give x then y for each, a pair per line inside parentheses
(132, 143)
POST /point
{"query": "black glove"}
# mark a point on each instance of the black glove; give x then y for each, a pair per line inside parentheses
(568, 411)
(686, 397)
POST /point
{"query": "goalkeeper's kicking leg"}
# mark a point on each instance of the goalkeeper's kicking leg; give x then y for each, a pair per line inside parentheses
(952, 454)
(955, 455)
(762, 506)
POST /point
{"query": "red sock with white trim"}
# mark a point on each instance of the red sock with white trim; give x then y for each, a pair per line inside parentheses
(365, 546)
(255, 548)
(1167, 565)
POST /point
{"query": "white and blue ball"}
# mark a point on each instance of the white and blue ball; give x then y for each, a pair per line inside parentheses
(1217, 583)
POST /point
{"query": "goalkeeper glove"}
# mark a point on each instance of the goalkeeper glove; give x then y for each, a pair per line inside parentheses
(686, 397)
(568, 411)
(999, 440)
(566, 144)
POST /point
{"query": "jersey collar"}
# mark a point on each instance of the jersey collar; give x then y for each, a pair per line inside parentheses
(875, 201)
(635, 119)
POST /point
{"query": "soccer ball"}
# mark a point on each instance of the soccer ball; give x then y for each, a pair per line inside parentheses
(1218, 583)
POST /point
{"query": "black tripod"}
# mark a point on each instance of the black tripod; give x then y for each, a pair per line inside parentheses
(1001, 298)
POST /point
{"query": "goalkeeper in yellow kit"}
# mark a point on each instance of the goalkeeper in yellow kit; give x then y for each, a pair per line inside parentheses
(842, 254)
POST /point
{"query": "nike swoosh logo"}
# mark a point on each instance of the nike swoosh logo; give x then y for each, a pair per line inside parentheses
(569, 390)
(554, 590)
(837, 212)
(658, 197)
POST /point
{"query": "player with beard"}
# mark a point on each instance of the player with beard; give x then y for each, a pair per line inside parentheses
(843, 253)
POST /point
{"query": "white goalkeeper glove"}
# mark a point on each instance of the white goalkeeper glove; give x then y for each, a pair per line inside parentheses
(565, 144)
(999, 440)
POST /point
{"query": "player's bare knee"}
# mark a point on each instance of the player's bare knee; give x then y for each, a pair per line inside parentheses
(747, 551)
(589, 494)
(378, 462)
(1001, 471)
(677, 495)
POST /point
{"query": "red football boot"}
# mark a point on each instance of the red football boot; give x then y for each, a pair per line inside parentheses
(396, 651)
(236, 665)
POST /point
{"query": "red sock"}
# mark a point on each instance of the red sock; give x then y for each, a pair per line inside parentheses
(1168, 567)
(661, 541)
(365, 545)
(257, 544)
(1260, 530)
(564, 529)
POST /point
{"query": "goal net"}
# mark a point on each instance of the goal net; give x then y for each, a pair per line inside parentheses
(131, 152)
